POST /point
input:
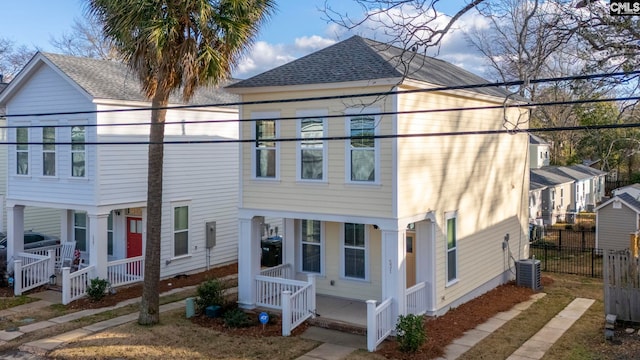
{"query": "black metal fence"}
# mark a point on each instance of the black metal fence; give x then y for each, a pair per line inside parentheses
(585, 261)
(568, 251)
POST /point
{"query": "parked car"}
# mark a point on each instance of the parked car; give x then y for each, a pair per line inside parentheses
(32, 240)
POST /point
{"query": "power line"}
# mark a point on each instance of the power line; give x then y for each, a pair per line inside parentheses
(344, 96)
(406, 112)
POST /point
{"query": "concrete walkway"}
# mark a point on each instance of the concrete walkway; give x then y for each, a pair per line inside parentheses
(335, 345)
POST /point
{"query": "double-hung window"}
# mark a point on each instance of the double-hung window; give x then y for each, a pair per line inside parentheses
(452, 247)
(362, 148)
(311, 244)
(78, 151)
(110, 234)
(312, 151)
(354, 251)
(49, 151)
(22, 151)
(80, 230)
(266, 148)
(181, 230)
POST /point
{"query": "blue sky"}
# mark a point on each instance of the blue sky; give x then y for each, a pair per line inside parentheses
(298, 28)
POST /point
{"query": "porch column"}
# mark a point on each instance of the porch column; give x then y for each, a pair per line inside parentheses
(66, 225)
(248, 260)
(289, 243)
(15, 233)
(394, 271)
(97, 243)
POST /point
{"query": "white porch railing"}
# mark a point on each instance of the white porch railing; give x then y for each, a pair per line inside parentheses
(380, 323)
(416, 297)
(75, 284)
(32, 270)
(45, 252)
(298, 306)
(281, 271)
(125, 271)
(269, 290)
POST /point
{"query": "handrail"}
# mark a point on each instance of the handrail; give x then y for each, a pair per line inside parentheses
(379, 323)
(416, 297)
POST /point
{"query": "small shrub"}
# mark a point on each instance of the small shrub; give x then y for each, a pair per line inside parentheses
(97, 289)
(410, 332)
(236, 318)
(210, 292)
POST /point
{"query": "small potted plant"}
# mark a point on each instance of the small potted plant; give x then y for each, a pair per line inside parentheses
(76, 259)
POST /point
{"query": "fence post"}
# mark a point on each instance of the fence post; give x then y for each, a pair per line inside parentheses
(583, 240)
(559, 239)
(17, 277)
(311, 278)
(66, 285)
(372, 327)
(286, 313)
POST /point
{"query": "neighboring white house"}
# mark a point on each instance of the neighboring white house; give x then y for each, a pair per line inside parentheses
(381, 218)
(539, 150)
(633, 190)
(555, 197)
(73, 153)
(616, 219)
(587, 189)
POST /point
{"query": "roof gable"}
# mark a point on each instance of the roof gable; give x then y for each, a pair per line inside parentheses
(360, 59)
(107, 80)
(624, 198)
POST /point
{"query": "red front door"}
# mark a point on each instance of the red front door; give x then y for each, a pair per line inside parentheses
(134, 237)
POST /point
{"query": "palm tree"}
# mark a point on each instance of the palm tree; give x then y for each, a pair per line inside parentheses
(174, 45)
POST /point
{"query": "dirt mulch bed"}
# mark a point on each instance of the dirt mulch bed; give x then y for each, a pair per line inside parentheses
(255, 329)
(179, 281)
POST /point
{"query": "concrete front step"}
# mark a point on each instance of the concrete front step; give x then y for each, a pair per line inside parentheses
(333, 324)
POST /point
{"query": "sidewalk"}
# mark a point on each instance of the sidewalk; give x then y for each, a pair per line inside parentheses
(335, 345)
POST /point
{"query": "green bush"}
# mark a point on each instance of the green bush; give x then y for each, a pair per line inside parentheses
(97, 289)
(410, 332)
(236, 318)
(210, 292)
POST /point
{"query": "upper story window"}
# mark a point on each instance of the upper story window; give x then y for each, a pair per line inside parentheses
(78, 152)
(362, 151)
(312, 151)
(49, 151)
(22, 151)
(266, 153)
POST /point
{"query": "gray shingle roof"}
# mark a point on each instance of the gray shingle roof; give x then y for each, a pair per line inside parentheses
(104, 79)
(633, 203)
(537, 140)
(587, 170)
(547, 178)
(359, 59)
(568, 171)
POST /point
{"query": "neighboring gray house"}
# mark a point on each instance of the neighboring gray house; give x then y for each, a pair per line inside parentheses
(539, 150)
(556, 197)
(616, 219)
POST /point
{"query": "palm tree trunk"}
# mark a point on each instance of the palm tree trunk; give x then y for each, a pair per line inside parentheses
(150, 303)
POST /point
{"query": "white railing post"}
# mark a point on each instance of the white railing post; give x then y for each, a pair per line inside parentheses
(311, 278)
(17, 277)
(52, 262)
(66, 285)
(286, 313)
(372, 327)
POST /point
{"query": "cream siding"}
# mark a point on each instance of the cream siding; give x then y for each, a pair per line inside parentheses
(484, 178)
(287, 194)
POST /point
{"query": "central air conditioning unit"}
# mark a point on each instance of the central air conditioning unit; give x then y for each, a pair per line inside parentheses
(528, 273)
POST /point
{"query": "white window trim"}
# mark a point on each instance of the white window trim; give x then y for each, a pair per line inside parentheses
(321, 244)
(354, 112)
(86, 229)
(72, 152)
(447, 217)
(366, 255)
(55, 151)
(264, 116)
(28, 151)
(175, 205)
(319, 114)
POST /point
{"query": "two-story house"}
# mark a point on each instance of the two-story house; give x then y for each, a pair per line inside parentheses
(379, 184)
(78, 144)
(539, 150)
